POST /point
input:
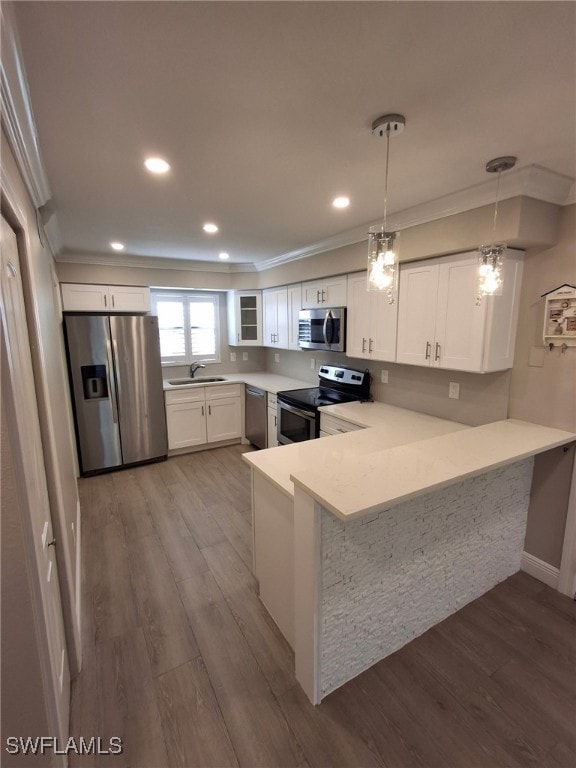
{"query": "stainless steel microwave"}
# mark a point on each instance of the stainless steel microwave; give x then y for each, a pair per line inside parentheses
(322, 329)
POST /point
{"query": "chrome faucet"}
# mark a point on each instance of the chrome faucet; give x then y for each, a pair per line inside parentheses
(194, 367)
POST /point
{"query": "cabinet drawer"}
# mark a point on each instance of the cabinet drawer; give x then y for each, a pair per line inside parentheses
(188, 395)
(223, 390)
(334, 426)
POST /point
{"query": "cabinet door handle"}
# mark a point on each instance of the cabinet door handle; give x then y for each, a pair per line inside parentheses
(323, 297)
(318, 300)
(428, 350)
(113, 305)
(275, 421)
(209, 410)
(437, 352)
(370, 345)
(238, 336)
(363, 344)
(105, 300)
(202, 410)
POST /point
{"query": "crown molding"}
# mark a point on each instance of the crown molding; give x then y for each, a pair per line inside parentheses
(150, 262)
(530, 181)
(17, 116)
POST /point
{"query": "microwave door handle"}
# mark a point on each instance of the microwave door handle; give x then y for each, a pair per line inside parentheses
(328, 317)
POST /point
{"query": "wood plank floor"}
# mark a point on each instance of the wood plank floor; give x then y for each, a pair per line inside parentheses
(184, 664)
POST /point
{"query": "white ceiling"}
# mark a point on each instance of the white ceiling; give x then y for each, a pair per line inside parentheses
(264, 110)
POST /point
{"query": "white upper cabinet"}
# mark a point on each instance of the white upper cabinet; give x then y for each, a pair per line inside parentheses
(275, 311)
(371, 325)
(80, 297)
(328, 292)
(294, 307)
(441, 322)
(245, 318)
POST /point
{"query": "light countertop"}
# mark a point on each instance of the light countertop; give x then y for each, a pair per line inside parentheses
(271, 382)
(354, 485)
(339, 451)
(400, 455)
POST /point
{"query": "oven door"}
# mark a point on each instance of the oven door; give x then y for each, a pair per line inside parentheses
(295, 425)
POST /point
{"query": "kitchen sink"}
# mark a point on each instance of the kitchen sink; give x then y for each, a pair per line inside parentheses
(197, 380)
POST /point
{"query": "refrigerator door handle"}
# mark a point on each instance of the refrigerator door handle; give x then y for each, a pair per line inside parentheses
(111, 383)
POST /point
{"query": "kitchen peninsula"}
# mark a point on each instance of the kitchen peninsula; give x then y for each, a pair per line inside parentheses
(363, 541)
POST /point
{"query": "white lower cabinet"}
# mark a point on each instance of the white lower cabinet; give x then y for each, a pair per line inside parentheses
(223, 418)
(202, 415)
(331, 425)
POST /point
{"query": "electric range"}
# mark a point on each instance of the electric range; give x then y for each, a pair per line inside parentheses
(298, 416)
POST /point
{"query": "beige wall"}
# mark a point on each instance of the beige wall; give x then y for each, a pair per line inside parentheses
(46, 343)
(544, 390)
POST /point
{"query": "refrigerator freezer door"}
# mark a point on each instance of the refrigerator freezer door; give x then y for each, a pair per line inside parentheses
(91, 371)
(140, 395)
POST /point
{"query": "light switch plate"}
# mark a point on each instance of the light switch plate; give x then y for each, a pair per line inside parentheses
(384, 377)
(276, 357)
(454, 390)
(232, 357)
(313, 363)
(244, 355)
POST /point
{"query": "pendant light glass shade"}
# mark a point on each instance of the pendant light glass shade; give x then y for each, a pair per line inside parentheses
(490, 269)
(491, 257)
(382, 261)
(382, 244)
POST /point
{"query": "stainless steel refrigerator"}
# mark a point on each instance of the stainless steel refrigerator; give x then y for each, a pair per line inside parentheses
(116, 381)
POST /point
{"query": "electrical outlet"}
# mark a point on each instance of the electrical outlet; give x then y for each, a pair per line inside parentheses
(244, 355)
(276, 357)
(232, 357)
(384, 377)
(313, 363)
(454, 390)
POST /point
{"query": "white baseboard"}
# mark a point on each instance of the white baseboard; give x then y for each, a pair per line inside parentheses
(540, 570)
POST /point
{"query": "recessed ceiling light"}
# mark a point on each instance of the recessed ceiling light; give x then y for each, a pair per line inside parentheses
(117, 246)
(210, 228)
(156, 165)
(223, 256)
(341, 202)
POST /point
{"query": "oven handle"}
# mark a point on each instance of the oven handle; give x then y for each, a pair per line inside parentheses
(305, 414)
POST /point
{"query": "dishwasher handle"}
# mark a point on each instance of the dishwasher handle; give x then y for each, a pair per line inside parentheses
(255, 392)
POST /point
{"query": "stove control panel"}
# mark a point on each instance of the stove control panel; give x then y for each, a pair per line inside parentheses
(351, 377)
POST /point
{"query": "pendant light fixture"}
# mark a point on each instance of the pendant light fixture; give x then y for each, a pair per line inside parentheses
(382, 244)
(491, 257)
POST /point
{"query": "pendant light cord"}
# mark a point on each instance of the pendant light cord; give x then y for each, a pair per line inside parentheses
(386, 176)
(496, 208)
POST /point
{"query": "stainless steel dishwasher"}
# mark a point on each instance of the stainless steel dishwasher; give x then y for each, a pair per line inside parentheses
(256, 416)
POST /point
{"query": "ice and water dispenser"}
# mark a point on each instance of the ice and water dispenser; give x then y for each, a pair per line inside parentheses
(94, 382)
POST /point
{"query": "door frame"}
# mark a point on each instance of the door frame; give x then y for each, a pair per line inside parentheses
(31, 486)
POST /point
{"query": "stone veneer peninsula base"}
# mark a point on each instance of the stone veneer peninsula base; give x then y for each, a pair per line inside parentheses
(386, 578)
(379, 542)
